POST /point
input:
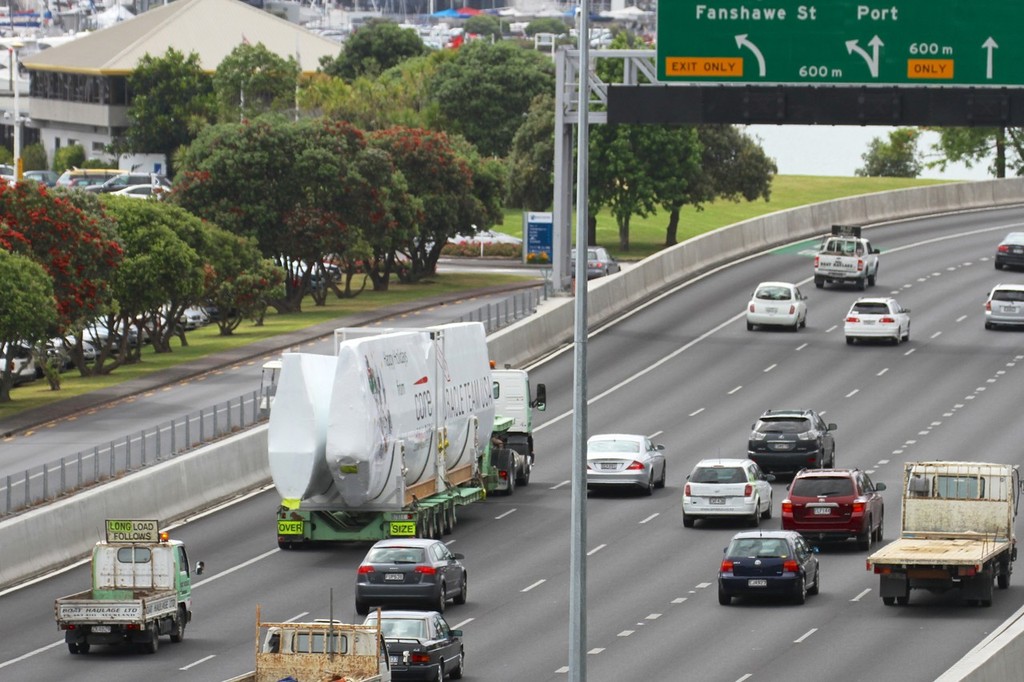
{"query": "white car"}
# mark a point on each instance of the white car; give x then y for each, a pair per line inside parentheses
(727, 488)
(142, 191)
(1005, 306)
(877, 318)
(625, 460)
(777, 304)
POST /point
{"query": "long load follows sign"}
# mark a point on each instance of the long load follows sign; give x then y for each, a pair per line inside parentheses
(132, 530)
(923, 42)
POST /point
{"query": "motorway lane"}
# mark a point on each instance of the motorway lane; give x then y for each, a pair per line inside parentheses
(694, 399)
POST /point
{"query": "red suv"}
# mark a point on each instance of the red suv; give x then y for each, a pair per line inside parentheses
(835, 504)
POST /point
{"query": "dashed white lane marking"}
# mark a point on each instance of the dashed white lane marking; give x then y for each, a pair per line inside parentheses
(961, 318)
(770, 367)
(679, 600)
(884, 370)
(463, 623)
(805, 635)
(882, 461)
(201, 660)
(745, 677)
(909, 352)
(734, 390)
(556, 487)
(501, 516)
(935, 335)
(832, 328)
(653, 616)
(853, 393)
(696, 412)
(626, 633)
(701, 586)
(862, 595)
(536, 584)
(651, 517)
(596, 650)
(596, 550)
(801, 346)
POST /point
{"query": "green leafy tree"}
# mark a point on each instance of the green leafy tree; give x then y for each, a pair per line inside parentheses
(33, 157)
(172, 98)
(970, 146)
(27, 309)
(531, 160)
(374, 48)
(72, 156)
(483, 92)
(483, 25)
(897, 158)
(252, 80)
(546, 25)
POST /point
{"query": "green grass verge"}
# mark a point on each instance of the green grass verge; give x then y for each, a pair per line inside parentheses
(647, 236)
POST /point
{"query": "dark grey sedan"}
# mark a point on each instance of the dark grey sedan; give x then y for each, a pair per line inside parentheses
(410, 572)
(421, 645)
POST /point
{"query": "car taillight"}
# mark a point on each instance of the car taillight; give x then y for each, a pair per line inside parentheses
(988, 306)
(791, 566)
(851, 318)
(792, 309)
(1003, 248)
(748, 490)
(419, 657)
(637, 466)
(686, 489)
(727, 565)
(365, 569)
(787, 506)
(888, 320)
(859, 506)
(426, 570)
(503, 475)
(752, 307)
(816, 258)
(860, 264)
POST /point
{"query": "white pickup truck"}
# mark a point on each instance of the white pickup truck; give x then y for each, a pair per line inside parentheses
(142, 589)
(845, 257)
(956, 533)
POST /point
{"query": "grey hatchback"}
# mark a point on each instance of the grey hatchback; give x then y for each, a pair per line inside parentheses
(410, 572)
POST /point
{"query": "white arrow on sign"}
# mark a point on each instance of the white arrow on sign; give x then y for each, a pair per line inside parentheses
(872, 59)
(741, 41)
(989, 45)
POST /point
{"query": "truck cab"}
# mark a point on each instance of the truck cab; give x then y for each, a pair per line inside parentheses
(514, 455)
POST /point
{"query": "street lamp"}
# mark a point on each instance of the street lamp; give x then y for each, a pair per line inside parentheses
(13, 65)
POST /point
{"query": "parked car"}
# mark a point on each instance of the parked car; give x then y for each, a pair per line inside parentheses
(777, 304)
(85, 177)
(600, 263)
(835, 504)
(625, 460)
(1005, 306)
(421, 645)
(877, 318)
(727, 488)
(1010, 252)
(22, 361)
(410, 572)
(43, 177)
(194, 317)
(142, 191)
(485, 237)
(122, 180)
(775, 562)
(790, 440)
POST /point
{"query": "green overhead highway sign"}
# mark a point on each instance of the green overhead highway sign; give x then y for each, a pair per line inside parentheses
(914, 42)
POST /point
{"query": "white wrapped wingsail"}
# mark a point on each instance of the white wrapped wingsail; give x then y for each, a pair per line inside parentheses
(297, 432)
(405, 416)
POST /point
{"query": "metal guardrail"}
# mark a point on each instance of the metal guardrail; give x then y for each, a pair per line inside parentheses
(138, 450)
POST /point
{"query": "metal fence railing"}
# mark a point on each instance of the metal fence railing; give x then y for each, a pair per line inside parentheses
(112, 459)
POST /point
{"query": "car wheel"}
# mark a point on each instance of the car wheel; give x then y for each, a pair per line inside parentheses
(796, 325)
(688, 521)
(864, 539)
(458, 670)
(723, 598)
(849, 340)
(439, 675)
(989, 325)
(801, 591)
(768, 512)
(906, 337)
(362, 608)
(898, 338)
(755, 519)
(999, 266)
(832, 459)
(750, 326)
(461, 598)
(803, 322)
(879, 533)
(664, 474)
(442, 598)
(649, 488)
(816, 587)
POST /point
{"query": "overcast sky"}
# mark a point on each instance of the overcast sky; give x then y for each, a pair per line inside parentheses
(837, 150)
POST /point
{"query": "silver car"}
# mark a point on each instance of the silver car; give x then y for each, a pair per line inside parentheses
(625, 460)
(727, 488)
(1005, 306)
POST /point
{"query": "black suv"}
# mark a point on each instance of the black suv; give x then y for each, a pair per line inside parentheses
(790, 440)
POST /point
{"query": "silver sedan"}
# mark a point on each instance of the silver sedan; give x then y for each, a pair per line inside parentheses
(625, 460)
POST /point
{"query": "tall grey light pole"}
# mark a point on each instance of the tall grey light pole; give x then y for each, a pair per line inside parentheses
(17, 109)
(578, 542)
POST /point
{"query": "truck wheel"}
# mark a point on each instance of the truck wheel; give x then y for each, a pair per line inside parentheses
(448, 520)
(1003, 579)
(871, 278)
(888, 601)
(178, 629)
(524, 477)
(78, 647)
(461, 597)
(862, 283)
(819, 282)
(511, 481)
(153, 644)
(903, 601)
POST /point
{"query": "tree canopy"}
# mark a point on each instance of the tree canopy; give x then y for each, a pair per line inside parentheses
(374, 48)
(27, 309)
(252, 80)
(897, 158)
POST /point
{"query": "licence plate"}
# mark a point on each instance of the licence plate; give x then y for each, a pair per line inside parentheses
(771, 309)
(100, 628)
(716, 500)
(394, 577)
(605, 467)
(1012, 309)
(757, 582)
(395, 660)
(822, 511)
(869, 322)
(289, 527)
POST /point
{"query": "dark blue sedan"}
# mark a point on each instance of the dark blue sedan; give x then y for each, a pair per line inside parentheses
(776, 563)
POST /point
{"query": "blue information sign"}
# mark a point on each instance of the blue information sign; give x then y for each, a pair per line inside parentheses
(539, 237)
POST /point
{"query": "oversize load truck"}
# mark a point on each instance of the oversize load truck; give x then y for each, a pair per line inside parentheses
(956, 533)
(386, 438)
(141, 589)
